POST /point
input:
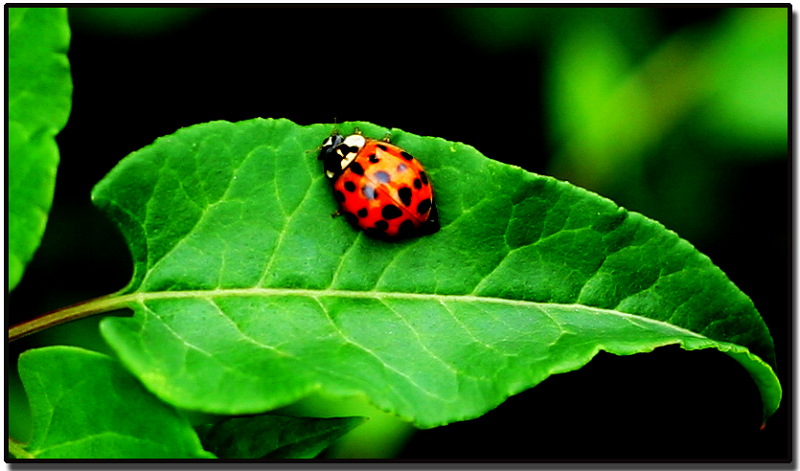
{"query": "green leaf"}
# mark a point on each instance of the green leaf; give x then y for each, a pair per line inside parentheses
(138, 21)
(86, 406)
(503, 29)
(274, 436)
(748, 69)
(725, 84)
(247, 295)
(39, 101)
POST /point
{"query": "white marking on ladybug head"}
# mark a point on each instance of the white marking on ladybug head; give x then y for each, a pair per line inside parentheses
(352, 144)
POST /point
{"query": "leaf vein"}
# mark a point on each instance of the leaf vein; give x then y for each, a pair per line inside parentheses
(356, 241)
(469, 331)
(418, 337)
(283, 231)
(380, 360)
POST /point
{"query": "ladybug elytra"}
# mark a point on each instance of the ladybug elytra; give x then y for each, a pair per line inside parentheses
(379, 186)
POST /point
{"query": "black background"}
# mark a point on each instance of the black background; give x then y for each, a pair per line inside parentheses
(411, 68)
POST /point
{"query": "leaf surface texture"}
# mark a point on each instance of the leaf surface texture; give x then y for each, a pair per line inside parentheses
(247, 295)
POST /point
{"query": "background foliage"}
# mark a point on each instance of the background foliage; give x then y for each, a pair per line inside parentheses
(678, 114)
(39, 97)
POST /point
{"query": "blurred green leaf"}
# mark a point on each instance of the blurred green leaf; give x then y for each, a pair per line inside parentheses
(660, 133)
(248, 296)
(274, 436)
(598, 115)
(86, 406)
(136, 21)
(747, 63)
(39, 102)
(382, 436)
(500, 30)
(607, 114)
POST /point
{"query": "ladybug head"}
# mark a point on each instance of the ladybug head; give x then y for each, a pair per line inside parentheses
(338, 152)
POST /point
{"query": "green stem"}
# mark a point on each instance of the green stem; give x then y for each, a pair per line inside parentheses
(83, 309)
(17, 449)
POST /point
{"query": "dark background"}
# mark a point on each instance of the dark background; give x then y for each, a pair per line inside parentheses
(424, 71)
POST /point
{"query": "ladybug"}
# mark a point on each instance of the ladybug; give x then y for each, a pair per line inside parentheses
(380, 187)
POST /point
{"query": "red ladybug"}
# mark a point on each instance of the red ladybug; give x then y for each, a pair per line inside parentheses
(380, 187)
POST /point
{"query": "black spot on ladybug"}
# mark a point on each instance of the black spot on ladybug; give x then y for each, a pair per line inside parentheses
(406, 229)
(351, 219)
(382, 225)
(424, 206)
(350, 186)
(417, 183)
(356, 168)
(391, 211)
(382, 176)
(362, 213)
(369, 192)
(402, 167)
(423, 177)
(339, 196)
(381, 147)
(406, 155)
(374, 159)
(405, 195)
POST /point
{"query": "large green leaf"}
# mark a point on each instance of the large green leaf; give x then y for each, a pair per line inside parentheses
(86, 406)
(274, 436)
(39, 101)
(247, 295)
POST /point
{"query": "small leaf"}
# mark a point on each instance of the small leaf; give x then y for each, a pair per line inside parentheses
(247, 295)
(274, 436)
(39, 101)
(86, 406)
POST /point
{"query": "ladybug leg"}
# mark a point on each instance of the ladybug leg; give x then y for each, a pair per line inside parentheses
(319, 147)
(431, 225)
(337, 213)
(386, 136)
(316, 149)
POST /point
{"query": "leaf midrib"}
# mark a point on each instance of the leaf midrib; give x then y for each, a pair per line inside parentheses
(141, 297)
(679, 334)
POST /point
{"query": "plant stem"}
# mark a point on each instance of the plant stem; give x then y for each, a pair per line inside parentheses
(17, 450)
(65, 314)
